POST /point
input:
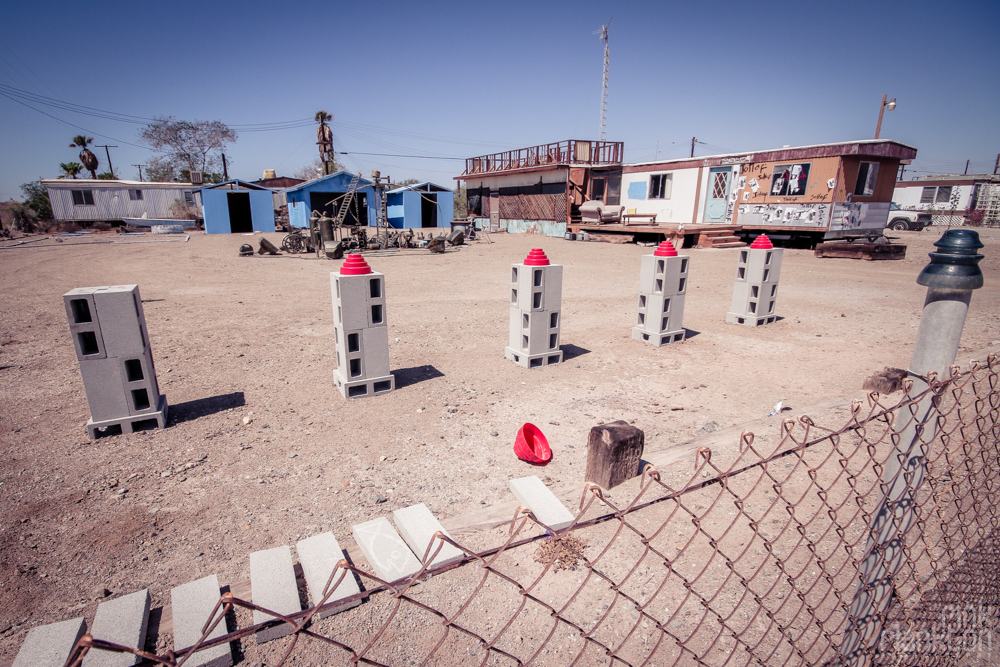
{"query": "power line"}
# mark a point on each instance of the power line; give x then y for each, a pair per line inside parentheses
(422, 157)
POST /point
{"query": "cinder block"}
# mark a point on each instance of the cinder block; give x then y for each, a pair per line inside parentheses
(552, 299)
(535, 338)
(533, 494)
(88, 341)
(132, 423)
(137, 373)
(757, 265)
(417, 526)
(517, 322)
(533, 360)
(192, 606)
(50, 645)
(121, 621)
(318, 556)
(385, 550)
(375, 343)
(355, 305)
(658, 339)
(123, 325)
(102, 381)
(361, 388)
(273, 586)
(654, 309)
(543, 281)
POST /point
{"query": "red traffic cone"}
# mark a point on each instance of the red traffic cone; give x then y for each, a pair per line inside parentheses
(531, 445)
(355, 265)
(665, 249)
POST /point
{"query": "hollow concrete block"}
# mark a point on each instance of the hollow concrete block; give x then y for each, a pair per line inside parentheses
(50, 645)
(102, 382)
(318, 556)
(417, 526)
(375, 343)
(122, 621)
(273, 586)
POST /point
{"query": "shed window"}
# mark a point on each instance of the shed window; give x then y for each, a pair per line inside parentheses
(661, 186)
(135, 195)
(943, 195)
(867, 173)
(927, 195)
(83, 198)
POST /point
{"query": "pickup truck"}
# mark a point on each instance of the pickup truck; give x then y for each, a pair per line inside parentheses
(900, 220)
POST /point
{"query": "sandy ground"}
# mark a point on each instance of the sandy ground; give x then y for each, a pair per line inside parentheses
(262, 450)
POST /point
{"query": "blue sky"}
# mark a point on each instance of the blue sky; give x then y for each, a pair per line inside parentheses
(461, 79)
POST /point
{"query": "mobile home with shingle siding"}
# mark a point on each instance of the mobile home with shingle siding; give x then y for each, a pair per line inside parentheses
(80, 200)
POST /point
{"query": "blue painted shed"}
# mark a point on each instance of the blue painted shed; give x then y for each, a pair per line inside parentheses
(420, 205)
(236, 207)
(324, 195)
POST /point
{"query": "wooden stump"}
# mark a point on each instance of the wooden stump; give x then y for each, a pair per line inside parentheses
(613, 453)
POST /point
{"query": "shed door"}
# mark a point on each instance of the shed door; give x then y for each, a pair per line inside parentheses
(240, 218)
(428, 210)
(718, 191)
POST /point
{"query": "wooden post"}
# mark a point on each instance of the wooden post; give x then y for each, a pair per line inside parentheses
(613, 453)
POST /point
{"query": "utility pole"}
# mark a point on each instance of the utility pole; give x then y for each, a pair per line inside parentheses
(140, 171)
(996, 165)
(966, 172)
(108, 153)
(657, 150)
(225, 168)
(694, 140)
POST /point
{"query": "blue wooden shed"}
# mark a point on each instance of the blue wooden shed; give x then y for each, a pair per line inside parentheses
(236, 207)
(324, 195)
(420, 205)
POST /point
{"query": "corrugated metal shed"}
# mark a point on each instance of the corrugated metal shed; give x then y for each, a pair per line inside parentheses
(90, 200)
(237, 207)
(420, 205)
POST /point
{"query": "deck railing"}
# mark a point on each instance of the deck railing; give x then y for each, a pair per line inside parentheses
(571, 151)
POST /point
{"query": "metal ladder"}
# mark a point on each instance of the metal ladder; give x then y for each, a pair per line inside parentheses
(345, 203)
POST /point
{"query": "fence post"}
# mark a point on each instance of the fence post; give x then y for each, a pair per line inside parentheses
(950, 278)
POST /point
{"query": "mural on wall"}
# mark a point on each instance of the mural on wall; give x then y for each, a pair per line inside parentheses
(790, 180)
(786, 215)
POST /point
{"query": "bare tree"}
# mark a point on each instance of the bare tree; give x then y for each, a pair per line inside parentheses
(192, 145)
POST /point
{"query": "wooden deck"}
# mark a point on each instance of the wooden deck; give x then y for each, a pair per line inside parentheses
(696, 235)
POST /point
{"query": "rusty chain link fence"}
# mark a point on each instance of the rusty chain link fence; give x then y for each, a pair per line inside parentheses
(750, 557)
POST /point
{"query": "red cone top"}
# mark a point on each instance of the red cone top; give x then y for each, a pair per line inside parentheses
(355, 265)
(532, 446)
(762, 242)
(666, 249)
(536, 258)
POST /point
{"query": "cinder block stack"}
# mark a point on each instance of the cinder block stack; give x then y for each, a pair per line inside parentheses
(756, 288)
(535, 311)
(112, 345)
(663, 278)
(360, 330)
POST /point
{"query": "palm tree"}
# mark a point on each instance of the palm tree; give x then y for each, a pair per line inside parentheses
(324, 139)
(88, 159)
(70, 169)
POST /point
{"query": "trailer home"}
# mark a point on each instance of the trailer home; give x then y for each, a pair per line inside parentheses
(86, 200)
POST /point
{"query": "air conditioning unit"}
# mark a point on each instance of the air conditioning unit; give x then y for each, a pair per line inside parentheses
(197, 178)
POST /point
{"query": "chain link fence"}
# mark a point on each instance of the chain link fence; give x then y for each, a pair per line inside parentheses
(751, 557)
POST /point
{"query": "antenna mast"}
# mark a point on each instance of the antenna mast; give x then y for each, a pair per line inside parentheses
(604, 88)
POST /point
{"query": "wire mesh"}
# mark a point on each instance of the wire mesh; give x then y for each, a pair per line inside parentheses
(751, 558)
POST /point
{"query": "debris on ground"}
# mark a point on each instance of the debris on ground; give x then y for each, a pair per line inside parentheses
(567, 552)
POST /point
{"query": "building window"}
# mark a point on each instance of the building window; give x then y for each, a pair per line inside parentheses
(867, 173)
(720, 184)
(135, 195)
(83, 198)
(188, 197)
(790, 180)
(936, 195)
(660, 186)
(597, 186)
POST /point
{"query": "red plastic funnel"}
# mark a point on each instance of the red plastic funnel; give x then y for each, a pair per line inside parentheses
(355, 265)
(665, 249)
(531, 445)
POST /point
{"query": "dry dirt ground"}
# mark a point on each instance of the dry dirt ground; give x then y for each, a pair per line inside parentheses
(261, 450)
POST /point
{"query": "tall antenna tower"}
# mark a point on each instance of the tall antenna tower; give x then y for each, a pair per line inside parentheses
(604, 88)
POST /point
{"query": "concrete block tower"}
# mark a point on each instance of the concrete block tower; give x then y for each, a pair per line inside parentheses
(535, 311)
(756, 288)
(663, 278)
(360, 330)
(112, 346)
